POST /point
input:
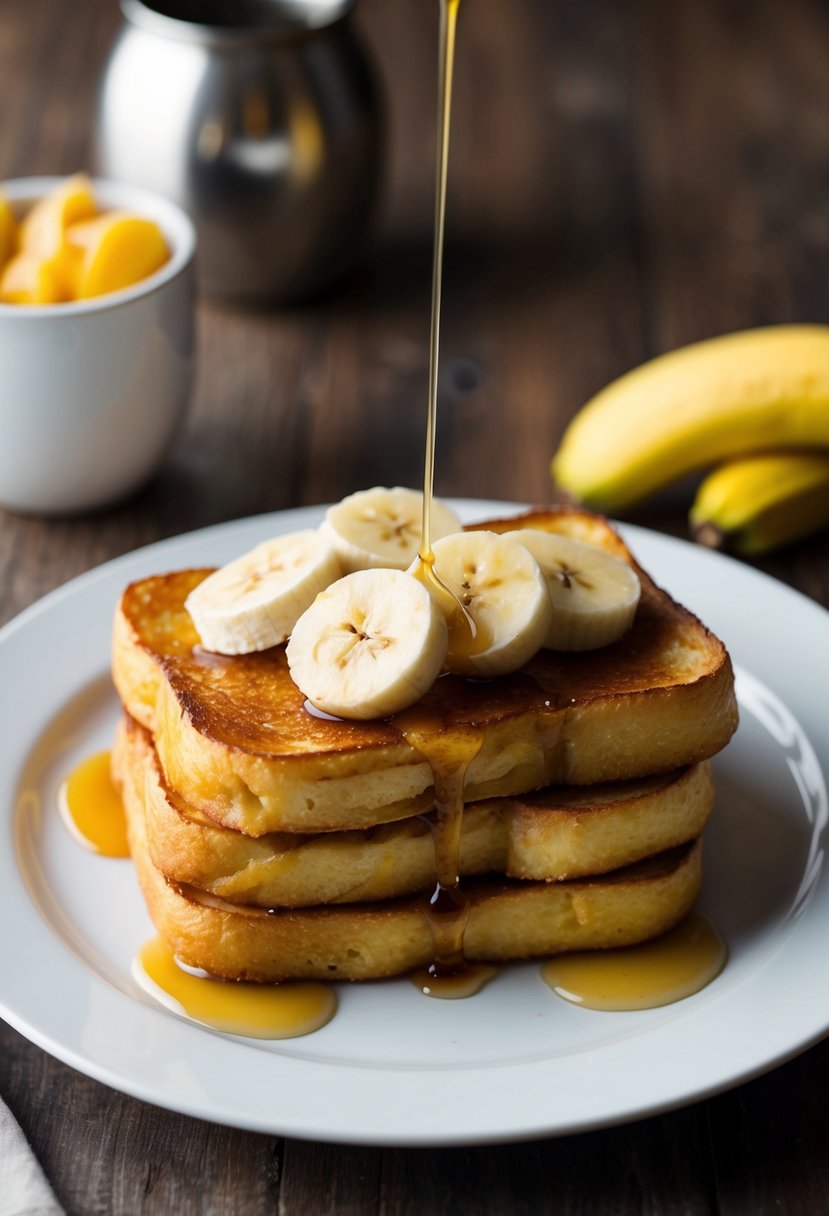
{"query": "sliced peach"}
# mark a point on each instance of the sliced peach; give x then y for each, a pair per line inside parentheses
(117, 249)
(8, 230)
(43, 229)
(29, 280)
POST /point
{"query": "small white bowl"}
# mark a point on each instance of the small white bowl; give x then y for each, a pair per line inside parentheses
(91, 392)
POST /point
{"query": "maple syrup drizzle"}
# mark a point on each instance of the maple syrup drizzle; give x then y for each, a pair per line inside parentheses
(91, 807)
(461, 624)
(260, 1011)
(446, 62)
(656, 973)
(449, 754)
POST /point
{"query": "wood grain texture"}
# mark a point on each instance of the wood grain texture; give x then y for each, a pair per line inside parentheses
(626, 177)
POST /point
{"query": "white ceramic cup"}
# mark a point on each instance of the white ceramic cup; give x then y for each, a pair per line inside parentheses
(91, 392)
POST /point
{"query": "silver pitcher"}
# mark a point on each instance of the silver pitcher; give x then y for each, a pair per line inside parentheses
(261, 118)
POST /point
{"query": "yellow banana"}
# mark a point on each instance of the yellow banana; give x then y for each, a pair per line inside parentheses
(762, 502)
(754, 391)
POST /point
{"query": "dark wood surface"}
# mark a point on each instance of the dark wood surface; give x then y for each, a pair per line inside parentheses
(625, 178)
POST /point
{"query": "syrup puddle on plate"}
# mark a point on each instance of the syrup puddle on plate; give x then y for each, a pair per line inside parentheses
(90, 807)
(468, 980)
(258, 1011)
(660, 972)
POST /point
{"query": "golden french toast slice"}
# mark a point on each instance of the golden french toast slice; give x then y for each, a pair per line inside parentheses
(372, 941)
(236, 740)
(560, 833)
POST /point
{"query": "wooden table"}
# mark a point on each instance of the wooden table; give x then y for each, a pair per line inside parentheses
(626, 178)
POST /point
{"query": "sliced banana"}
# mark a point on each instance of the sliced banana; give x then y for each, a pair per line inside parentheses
(370, 645)
(254, 602)
(594, 594)
(380, 528)
(504, 592)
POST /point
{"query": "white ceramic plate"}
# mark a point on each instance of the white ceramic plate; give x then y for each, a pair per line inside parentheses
(394, 1067)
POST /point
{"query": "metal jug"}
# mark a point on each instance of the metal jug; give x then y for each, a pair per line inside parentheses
(262, 119)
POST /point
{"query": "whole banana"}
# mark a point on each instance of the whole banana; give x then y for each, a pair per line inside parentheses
(761, 502)
(754, 391)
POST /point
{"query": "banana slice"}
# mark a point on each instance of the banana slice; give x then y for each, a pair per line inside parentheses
(502, 588)
(370, 645)
(594, 594)
(380, 528)
(254, 602)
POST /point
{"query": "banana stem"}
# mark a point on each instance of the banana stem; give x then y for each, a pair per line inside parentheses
(762, 502)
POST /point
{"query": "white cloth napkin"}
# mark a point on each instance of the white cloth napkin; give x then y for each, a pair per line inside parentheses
(23, 1189)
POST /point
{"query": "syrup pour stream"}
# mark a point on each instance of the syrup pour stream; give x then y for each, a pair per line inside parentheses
(446, 62)
(461, 624)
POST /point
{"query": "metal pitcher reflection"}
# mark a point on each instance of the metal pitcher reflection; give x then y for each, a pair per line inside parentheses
(262, 119)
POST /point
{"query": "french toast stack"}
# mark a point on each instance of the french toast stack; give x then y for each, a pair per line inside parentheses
(274, 843)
